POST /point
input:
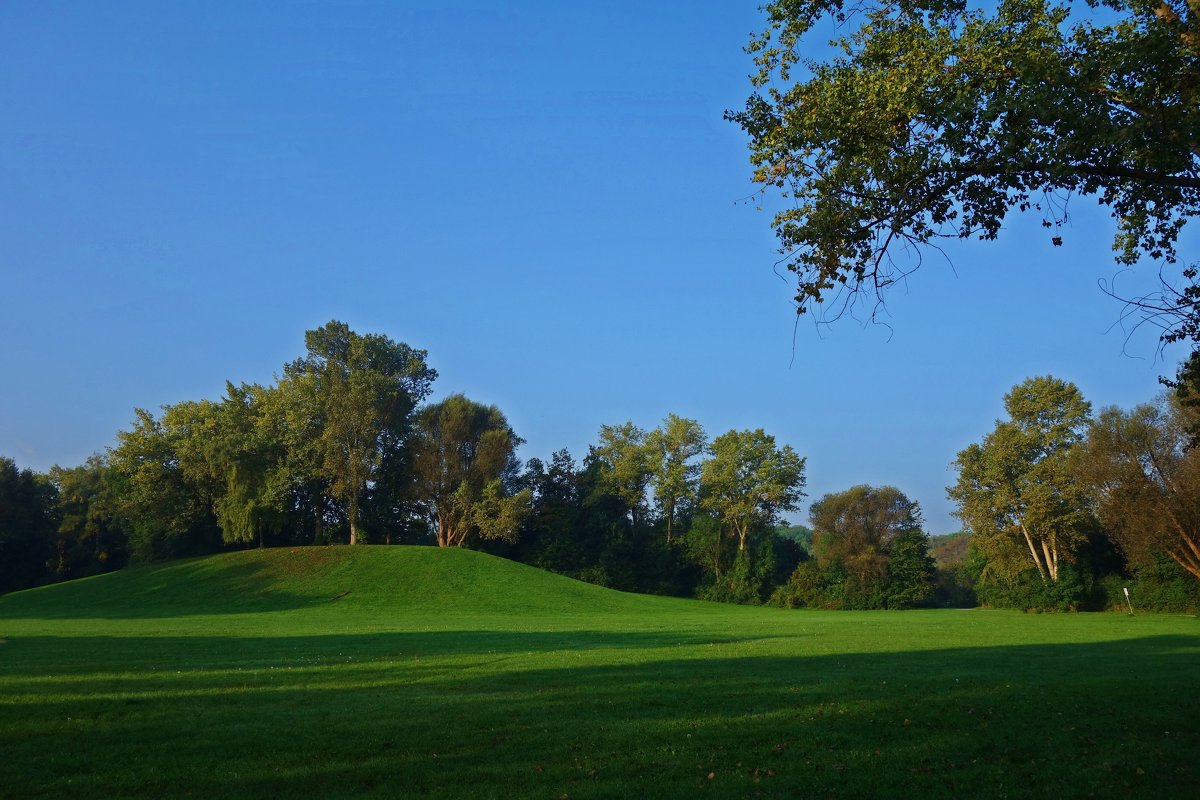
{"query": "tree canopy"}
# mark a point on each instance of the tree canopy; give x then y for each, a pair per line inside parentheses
(1016, 490)
(360, 391)
(750, 480)
(936, 118)
(1145, 481)
(465, 466)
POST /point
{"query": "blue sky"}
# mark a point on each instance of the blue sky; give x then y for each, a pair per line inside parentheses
(542, 195)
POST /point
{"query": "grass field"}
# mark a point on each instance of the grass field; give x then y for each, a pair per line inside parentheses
(400, 671)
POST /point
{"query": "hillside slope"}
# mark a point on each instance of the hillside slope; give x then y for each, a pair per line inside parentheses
(364, 577)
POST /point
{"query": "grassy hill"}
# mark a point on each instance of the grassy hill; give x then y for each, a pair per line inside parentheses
(399, 671)
(411, 579)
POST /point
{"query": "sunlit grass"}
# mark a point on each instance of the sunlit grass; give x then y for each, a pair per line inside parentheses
(452, 674)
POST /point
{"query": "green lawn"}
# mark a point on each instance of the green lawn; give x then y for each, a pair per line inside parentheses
(400, 671)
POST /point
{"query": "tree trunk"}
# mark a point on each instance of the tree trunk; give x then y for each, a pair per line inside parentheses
(717, 559)
(1032, 550)
(1051, 561)
(1182, 559)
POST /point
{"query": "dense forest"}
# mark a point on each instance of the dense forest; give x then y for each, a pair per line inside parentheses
(1062, 508)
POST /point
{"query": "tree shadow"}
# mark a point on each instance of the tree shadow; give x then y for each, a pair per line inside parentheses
(244, 587)
(593, 714)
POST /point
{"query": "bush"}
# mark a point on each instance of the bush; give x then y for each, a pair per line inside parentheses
(1161, 585)
(1072, 591)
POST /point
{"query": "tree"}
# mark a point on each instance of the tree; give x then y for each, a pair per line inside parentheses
(873, 535)
(166, 509)
(465, 466)
(247, 451)
(355, 395)
(90, 537)
(551, 536)
(1145, 481)
(936, 119)
(749, 481)
(1187, 396)
(673, 448)
(628, 466)
(1017, 491)
(26, 526)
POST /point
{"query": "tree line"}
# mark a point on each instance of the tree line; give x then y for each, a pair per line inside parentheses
(1059, 507)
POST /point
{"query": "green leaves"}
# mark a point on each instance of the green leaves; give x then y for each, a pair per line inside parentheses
(938, 120)
(1016, 490)
(354, 395)
(1145, 480)
(749, 480)
(464, 465)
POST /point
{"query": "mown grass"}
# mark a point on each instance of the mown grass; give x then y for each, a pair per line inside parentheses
(400, 672)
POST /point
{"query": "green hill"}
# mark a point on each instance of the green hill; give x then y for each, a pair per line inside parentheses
(416, 672)
(412, 579)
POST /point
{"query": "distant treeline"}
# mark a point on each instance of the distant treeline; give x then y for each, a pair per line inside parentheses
(1063, 510)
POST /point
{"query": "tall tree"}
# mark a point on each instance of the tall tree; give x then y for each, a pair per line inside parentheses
(27, 526)
(856, 528)
(248, 453)
(90, 537)
(358, 393)
(749, 481)
(465, 466)
(628, 467)
(1146, 481)
(934, 120)
(873, 534)
(674, 448)
(165, 500)
(1016, 490)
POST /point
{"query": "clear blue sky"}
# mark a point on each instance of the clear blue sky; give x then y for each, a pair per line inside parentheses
(542, 195)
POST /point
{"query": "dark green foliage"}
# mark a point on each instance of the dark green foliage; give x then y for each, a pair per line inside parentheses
(1187, 393)
(754, 574)
(1159, 585)
(954, 585)
(465, 472)
(800, 534)
(26, 527)
(90, 538)
(910, 571)
(1073, 591)
(350, 400)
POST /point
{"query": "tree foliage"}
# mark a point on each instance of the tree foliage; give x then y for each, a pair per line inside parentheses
(627, 466)
(1016, 491)
(749, 481)
(871, 539)
(165, 491)
(1145, 481)
(673, 450)
(358, 391)
(26, 526)
(90, 537)
(465, 466)
(935, 119)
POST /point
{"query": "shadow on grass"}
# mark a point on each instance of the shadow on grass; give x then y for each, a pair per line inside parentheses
(177, 589)
(52, 659)
(485, 714)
